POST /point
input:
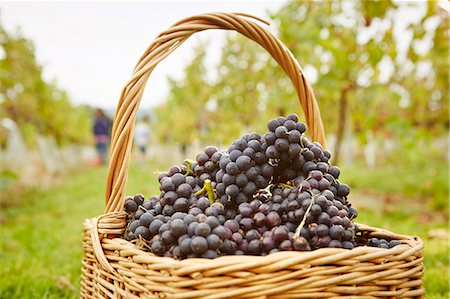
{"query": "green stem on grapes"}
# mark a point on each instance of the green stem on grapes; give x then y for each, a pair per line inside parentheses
(209, 190)
(286, 185)
(189, 170)
(207, 187)
(201, 191)
(302, 223)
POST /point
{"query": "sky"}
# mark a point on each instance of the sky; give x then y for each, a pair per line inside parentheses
(90, 48)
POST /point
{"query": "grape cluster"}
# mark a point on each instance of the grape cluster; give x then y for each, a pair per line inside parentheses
(265, 194)
(136, 206)
(140, 214)
(289, 151)
(179, 190)
(314, 215)
(244, 169)
(207, 164)
(198, 233)
(382, 243)
(258, 230)
(283, 138)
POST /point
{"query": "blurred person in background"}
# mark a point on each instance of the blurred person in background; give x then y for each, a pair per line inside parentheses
(102, 128)
(141, 137)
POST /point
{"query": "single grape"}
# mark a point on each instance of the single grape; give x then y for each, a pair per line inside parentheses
(131, 206)
(143, 232)
(199, 245)
(337, 232)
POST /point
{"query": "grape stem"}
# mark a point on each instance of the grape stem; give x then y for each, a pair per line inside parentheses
(285, 185)
(201, 191)
(188, 163)
(209, 190)
(301, 142)
(207, 187)
(141, 242)
(302, 223)
(142, 208)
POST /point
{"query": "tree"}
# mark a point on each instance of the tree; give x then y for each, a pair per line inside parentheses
(237, 92)
(324, 37)
(427, 79)
(362, 79)
(353, 48)
(35, 105)
(184, 117)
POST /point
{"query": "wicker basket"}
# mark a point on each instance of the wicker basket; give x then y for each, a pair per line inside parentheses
(116, 268)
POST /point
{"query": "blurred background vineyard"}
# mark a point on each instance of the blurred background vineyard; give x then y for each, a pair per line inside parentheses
(382, 87)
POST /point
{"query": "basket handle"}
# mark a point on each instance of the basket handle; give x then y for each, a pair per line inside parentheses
(162, 46)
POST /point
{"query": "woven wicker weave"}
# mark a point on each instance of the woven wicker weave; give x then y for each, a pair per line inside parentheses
(116, 268)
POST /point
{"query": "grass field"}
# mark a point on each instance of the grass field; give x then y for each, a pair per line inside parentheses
(40, 231)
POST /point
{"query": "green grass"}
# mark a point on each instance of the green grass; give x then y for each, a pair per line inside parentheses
(416, 174)
(40, 237)
(40, 232)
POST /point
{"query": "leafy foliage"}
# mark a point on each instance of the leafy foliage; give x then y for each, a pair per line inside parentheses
(35, 105)
(363, 79)
(182, 117)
